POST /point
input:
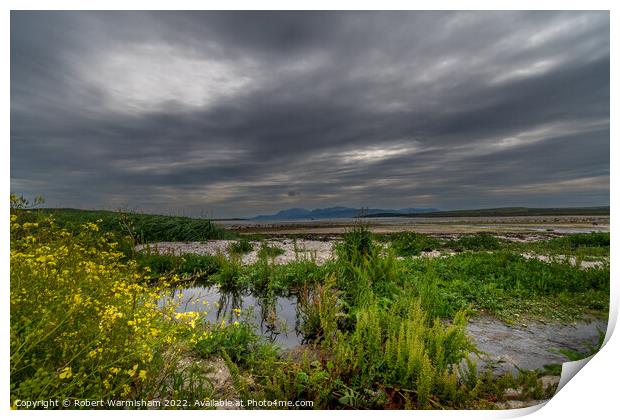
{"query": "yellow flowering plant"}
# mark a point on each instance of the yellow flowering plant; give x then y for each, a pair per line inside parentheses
(85, 322)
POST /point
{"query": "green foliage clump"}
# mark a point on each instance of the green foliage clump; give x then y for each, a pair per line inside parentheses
(198, 266)
(242, 246)
(269, 251)
(140, 228)
(585, 240)
(411, 243)
(238, 341)
(403, 348)
(390, 353)
(231, 275)
(320, 309)
(582, 244)
(378, 342)
(357, 244)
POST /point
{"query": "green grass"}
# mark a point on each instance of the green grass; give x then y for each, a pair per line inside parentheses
(584, 245)
(242, 246)
(198, 266)
(379, 338)
(505, 284)
(141, 228)
(374, 338)
(501, 283)
(411, 243)
(269, 251)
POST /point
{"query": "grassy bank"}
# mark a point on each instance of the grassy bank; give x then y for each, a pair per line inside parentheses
(406, 244)
(141, 228)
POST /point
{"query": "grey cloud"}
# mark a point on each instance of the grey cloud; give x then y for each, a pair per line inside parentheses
(235, 113)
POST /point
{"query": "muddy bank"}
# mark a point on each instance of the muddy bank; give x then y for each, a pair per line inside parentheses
(530, 346)
(431, 225)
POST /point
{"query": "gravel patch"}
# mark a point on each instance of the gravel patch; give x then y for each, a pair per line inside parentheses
(318, 251)
(571, 260)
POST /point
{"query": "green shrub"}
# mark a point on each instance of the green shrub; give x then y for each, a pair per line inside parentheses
(231, 275)
(238, 340)
(159, 264)
(242, 246)
(319, 310)
(141, 228)
(589, 241)
(186, 264)
(411, 243)
(356, 245)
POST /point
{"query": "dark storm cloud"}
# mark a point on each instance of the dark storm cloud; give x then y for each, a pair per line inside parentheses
(235, 113)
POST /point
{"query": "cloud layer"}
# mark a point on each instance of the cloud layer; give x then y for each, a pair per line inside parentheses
(236, 113)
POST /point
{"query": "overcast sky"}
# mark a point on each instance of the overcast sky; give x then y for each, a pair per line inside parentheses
(238, 113)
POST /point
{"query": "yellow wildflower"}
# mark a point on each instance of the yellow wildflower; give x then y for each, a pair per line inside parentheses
(65, 373)
(132, 371)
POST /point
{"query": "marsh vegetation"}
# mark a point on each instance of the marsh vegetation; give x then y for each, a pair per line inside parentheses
(377, 326)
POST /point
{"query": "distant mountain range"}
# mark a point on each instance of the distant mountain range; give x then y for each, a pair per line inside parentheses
(335, 213)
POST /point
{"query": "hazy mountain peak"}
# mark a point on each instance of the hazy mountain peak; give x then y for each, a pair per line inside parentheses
(334, 213)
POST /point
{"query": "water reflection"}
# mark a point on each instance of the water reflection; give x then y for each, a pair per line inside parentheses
(275, 318)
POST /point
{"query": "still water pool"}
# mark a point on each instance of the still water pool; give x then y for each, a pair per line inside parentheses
(275, 319)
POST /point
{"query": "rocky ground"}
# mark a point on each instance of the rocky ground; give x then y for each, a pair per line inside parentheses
(318, 251)
(530, 345)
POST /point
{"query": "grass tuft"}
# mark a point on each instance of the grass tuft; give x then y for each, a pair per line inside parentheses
(410, 243)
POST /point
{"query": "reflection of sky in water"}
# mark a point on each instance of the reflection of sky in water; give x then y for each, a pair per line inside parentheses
(275, 320)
